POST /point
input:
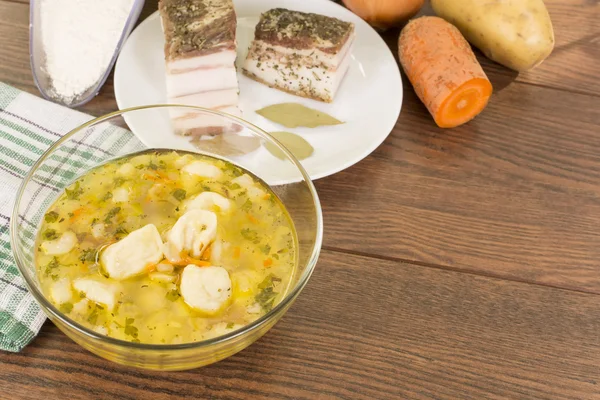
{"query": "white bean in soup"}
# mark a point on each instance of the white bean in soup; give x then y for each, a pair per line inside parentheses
(166, 247)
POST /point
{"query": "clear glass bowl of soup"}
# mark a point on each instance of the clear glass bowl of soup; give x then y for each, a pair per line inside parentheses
(166, 258)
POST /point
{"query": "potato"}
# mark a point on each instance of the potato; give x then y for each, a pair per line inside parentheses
(515, 33)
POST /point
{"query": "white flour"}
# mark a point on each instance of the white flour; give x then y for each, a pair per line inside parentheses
(79, 38)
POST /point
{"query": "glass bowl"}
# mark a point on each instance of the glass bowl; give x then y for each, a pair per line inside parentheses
(106, 138)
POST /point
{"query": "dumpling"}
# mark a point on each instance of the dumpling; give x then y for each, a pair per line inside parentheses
(207, 289)
(98, 291)
(62, 245)
(203, 169)
(210, 201)
(133, 254)
(193, 232)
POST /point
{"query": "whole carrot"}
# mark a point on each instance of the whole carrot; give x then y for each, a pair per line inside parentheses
(443, 71)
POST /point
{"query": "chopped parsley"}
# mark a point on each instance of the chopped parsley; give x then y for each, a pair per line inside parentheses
(247, 206)
(130, 329)
(179, 194)
(66, 307)
(233, 170)
(121, 231)
(267, 295)
(269, 281)
(172, 295)
(230, 325)
(107, 196)
(93, 317)
(51, 216)
(266, 298)
(232, 186)
(265, 249)
(50, 234)
(113, 211)
(154, 167)
(75, 192)
(118, 182)
(88, 255)
(250, 235)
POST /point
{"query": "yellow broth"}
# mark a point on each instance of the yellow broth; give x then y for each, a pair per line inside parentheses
(255, 243)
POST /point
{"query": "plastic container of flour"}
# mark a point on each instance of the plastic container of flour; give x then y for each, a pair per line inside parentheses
(71, 58)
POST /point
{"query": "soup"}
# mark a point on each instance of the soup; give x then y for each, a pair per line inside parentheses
(166, 247)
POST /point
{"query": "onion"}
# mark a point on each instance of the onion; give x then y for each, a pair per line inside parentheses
(383, 14)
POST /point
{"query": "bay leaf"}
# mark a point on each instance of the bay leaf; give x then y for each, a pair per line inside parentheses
(294, 115)
(297, 145)
(227, 145)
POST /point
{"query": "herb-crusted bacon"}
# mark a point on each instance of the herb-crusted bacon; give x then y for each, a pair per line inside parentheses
(197, 27)
(298, 30)
(200, 52)
(300, 53)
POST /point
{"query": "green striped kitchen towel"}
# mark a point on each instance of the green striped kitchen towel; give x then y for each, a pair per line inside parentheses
(28, 126)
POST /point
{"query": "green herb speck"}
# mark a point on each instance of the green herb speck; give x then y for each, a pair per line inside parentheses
(249, 234)
(113, 211)
(265, 249)
(179, 194)
(74, 192)
(51, 265)
(107, 196)
(121, 232)
(118, 182)
(50, 234)
(172, 295)
(66, 307)
(93, 317)
(130, 329)
(51, 216)
(247, 206)
(88, 255)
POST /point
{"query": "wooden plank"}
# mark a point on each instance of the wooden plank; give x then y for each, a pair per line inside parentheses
(14, 52)
(365, 328)
(515, 193)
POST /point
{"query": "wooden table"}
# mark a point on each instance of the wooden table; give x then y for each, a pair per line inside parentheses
(457, 264)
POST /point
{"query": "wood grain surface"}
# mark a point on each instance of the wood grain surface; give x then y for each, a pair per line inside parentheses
(364, 329)
(457, 264)
(515, 193)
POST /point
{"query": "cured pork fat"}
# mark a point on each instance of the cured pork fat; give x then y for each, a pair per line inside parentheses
(200, 52)
(301, 53)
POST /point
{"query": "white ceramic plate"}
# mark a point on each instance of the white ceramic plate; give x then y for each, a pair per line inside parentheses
(368, 101)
